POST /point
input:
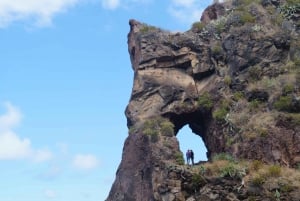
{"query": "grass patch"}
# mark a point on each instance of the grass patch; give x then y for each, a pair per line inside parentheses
(179, 158)
(274, 171)
(258, 180)
(284, 103)
(224, 157)
(220, 113)
(147, 28)
(197, 26)
(158, 126)
(205, 101)
(247, 17)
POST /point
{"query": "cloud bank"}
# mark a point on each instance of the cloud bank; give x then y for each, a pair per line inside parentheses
(40, 11)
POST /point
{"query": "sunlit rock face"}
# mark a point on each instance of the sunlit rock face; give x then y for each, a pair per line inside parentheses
(234, 79)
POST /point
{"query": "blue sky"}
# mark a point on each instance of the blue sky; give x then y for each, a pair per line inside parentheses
(65, 81)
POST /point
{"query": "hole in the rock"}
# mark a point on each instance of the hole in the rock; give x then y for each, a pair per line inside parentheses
(188, 140)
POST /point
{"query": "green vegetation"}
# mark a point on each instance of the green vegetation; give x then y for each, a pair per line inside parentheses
(247, 17)
(288, 89)
(257, 180)
(254, 105)
(254, 73)
(132, 130)
(197, 180)
(238, 96)
(179, 158)
(274, 171)
(290, 9)
(167, 128)
(223, 156)
(295, 119)
(216, 49)
(256, 165)
(284, 103)
(158, 126)
(227, 80)
(197, 26)
(247, 2)
(228, 170)
(220, 113)
(147, 28)
(205, 101)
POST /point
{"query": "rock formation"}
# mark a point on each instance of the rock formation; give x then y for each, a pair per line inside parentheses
(234, 78)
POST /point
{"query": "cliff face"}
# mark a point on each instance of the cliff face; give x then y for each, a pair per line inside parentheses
(234, 78)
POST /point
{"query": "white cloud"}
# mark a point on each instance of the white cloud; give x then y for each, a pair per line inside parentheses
(187, 11)
(41, 11)
(50, 193)
(110, 4)
(85, 162)
(11, 118)
(12, 146)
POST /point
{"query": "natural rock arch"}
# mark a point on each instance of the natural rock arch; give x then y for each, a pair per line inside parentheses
(173, 71)
(189, 140)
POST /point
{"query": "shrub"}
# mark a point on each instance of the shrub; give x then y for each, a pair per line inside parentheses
(197, 179)
(274, 171)
(247, 17)
(152, 133)
(228, 171)
(262, 132)
(290, 9)
(147, 28)
(155, 126)
(286, 187)
(179, 158)
(223, 156)
(284, 103)
(254, 105)
(167, 128)
(295, 119)
(227, 80)
(238, 95)
(197, 26)
(288, 88)
(216, 50)
(220, 113)
(254, 73)
(132, 130)
(257, 180)
(205, 101)
(256, 165)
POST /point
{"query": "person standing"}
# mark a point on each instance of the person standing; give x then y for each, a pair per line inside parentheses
(192, 156)
(188, 156)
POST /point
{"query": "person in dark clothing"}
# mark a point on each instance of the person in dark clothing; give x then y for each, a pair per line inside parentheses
(192, 156)
(188, 156)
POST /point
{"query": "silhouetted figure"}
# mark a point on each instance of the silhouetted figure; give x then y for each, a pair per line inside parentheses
(188, 156)
(192, 156)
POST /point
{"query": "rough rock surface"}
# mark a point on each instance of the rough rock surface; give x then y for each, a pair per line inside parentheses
(235, 80)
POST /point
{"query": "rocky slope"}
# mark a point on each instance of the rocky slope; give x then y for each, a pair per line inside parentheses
(234, 78)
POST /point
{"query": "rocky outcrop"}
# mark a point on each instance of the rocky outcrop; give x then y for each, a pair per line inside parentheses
(234, 78)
